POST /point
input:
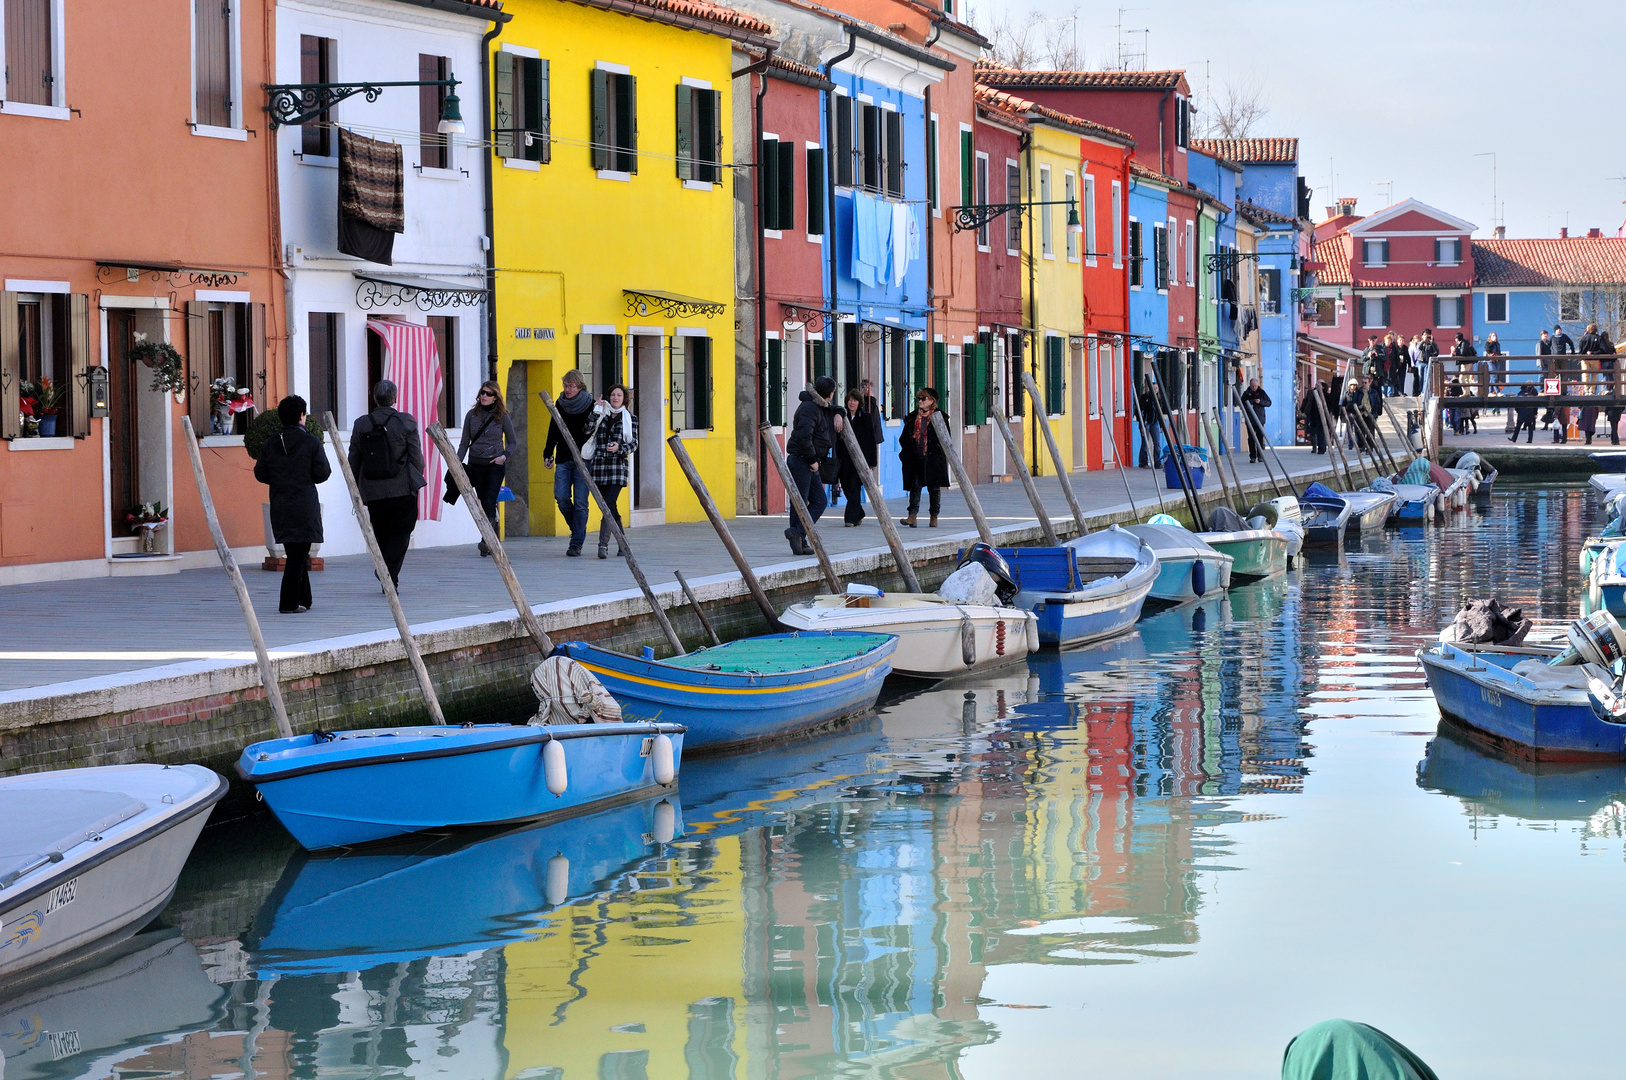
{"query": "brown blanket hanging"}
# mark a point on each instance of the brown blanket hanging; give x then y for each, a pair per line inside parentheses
(371, 207)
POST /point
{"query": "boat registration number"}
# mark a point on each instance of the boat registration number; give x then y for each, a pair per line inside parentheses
(648, 746)
(1490, 697)
(62, 895)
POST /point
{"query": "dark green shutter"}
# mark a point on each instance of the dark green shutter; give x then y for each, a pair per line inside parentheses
(1054, 384)
(787, 185)
(539, 113)
(821, 366)
(685, 132)
(678, 397)
(940, 374)
(967, 163)
(776, 382)
(716, 169)
(815, 192)
(504, 137)
(894, 153)
(700, 379)
(977, 408)
(844, 141)
(601, 118)
(768, 182)
(627, 123)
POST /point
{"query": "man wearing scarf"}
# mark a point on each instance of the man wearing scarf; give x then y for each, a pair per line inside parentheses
(570, 482)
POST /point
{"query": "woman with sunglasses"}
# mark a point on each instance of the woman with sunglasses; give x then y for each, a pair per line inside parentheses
(488, 441)
(924, 463)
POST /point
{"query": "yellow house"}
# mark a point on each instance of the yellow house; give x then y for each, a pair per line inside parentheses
(1053, 280)
(613, 209)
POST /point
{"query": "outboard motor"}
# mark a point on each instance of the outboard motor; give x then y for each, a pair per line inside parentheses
(1596, 639)
(983, 555)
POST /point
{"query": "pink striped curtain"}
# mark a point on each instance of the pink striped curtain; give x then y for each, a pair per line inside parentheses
(412, 363)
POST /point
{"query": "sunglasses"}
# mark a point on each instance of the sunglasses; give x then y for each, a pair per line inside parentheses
(488, 393)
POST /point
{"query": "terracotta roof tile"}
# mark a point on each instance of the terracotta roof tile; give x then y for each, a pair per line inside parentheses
(1001, 99)
(1004, 77)
(1335, 254)
(1251, 151)
(703, 10)
(1261, 216)
(1137, 169)
(1575, 260)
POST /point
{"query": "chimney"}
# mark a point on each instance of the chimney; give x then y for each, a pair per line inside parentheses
(1564, 233)
(1500, 232)
(1594, 234)
(1346, 207)
(1332, 212)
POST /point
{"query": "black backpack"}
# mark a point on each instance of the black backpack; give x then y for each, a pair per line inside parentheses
(377, 460)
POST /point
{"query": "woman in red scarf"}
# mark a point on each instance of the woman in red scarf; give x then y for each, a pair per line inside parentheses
(924, 463)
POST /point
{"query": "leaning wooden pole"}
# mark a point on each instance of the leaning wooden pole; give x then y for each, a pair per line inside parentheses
(1387, 459)
(877, 501)
(1026, 478)
(715, 516)
(799, 506)
(1123, 474)
(499, 554)
(402, 627)
(1258, 428)
(1400, 430)
(1233, 492)
(615, 527)
(268, 674)
(1216, 436)
(700, 612)
(967, 489)
(1254, 438)
(1335, 453)
(1043, 421)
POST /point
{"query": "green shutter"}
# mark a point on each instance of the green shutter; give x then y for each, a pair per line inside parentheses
(917, 353)
(539, 112)
(503, 138)
(601, 118)
(977, 408)
(940, 374)
(967, 163)
(677, 397)
(685, 132)
(768, 182)
(627, 123)
(818, 351)
(716, 103)
(1055, 385)
(787, 185)
(815, 192)
(776, 382)
(700, 405)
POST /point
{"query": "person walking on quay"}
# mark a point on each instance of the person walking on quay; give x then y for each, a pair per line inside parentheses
(1257, 401)
(1310, 416)
(1607, 363)
(1565, 366)
(488, 441)
(570, 483)
(808, 455)
(386, 454)
(1461, 349)
(1526, 416)
(863, 425)
(292, 462)
(1151, 412)
(924, 462)
(1375, 358)
(1454, 417)
(1395, 363)
(614, 437)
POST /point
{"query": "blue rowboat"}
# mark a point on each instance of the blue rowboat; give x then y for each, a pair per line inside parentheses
(1414, 504)
(447, 894)
(1187, 568)
(1609, 461)
(351, 787)
(1535, 711)
(747, 691)
(1089, 589)
(1325, 516)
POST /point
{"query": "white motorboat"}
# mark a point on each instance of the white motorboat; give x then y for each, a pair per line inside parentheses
(1368, 510)
(89, 856)
(936, 637)
(1607, 484)
(1289, 523)
(1188, 569)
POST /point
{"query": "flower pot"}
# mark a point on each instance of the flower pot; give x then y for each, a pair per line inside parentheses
(222, 420)
(48, 426)
(149, 539)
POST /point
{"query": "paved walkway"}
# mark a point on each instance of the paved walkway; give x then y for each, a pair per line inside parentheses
(63, 631)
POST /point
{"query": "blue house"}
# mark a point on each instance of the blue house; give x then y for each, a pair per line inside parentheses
(1522, 287)
(1219, 313)
(1148, 273)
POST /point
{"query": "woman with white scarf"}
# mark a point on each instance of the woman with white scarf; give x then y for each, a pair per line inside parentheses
(609, 455)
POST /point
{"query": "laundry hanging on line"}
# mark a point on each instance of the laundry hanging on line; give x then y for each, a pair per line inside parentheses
(885, 240)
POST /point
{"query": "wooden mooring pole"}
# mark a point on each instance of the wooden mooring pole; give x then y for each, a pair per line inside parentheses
(877, 501)
(1055, 451)
(968, 490)
(709, 505)
(1026, 478)
(699, 611)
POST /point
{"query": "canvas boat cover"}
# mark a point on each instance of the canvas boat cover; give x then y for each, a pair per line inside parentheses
(777, 654)
(36, 823)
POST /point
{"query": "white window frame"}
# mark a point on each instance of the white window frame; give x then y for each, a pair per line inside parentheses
(1457, 240)
(934, 135)
(1009, 164)
(1507, 307)
(1459, 299)
(1086, 194)
(1191, 252)
(58, 108)
(1117, 224)
(979, 159)
(1365, 251)
(1071, 192)
(1367, 325)
(1047, 227)
(236, 132)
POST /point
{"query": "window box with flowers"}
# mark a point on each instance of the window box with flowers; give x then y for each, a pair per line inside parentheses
(41, 406)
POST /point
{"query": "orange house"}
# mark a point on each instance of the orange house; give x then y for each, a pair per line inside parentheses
(136, 206)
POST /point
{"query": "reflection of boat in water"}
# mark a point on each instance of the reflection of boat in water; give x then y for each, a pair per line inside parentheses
(445, 893)
(1516, 786)
(149, 988)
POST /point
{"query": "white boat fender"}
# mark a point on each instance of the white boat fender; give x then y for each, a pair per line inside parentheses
(556, 886)
(665, 825)
(554, 771)
(662, 759)
(968, 640)
(1032, 621)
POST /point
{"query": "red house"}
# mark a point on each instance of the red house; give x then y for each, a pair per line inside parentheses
(998, 136)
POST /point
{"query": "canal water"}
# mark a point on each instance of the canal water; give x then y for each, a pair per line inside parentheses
(1158, 858)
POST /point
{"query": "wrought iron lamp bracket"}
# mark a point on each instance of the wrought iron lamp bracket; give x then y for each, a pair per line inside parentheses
(978, 215)
(300, 103)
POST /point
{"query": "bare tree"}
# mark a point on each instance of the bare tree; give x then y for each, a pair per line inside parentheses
(1032, 42)
(1234, 111)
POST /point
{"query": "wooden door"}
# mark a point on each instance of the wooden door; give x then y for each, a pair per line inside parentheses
(123, 423)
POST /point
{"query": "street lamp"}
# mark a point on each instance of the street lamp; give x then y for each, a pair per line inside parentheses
(299, 103)
(977, 215)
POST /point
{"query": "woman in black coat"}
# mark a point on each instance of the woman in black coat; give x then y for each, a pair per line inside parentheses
(292, 462)
(864, 426)
(924, 463)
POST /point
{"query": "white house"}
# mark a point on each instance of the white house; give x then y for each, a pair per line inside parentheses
(437, 270)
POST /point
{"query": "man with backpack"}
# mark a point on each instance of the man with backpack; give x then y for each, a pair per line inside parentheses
(386, 455)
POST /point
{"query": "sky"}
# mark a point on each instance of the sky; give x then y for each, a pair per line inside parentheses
(1409, 92)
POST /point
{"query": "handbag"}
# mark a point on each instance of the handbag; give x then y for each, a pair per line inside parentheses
(452, 493)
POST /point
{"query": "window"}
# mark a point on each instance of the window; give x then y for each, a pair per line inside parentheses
(895, 401)
(1191, 253)
(1117, 224)
(1055, 375)
(966, 164)
(598, 358)
(45, 336)
(940, 373)
(1182, 122)
(318, 63)
(212, 74)
(1095, 378)
(777, 182)
(931, 162)
(1496, 307)
(844, 141)
(894, 152)
(1047, 242)
(1013, 220)
(1137, 261)
(982, 197)
(1448, 311)
(1088, 223)
(1160, 257)
(1374, 312)
(1448, 252)
(29, 48)
(1569, 307)
(225, 340)
(851, 355)
(523, 118)
(1069, 186)
(615, 121)
(691, 383)
(1375, 252)
(434, 149)
(775, 391)
(872, 151)
(1117, 379)
(815, 191)
(1326, 311)
(700, 140)
(324, 363)
(1270, 292)
(445, 330)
